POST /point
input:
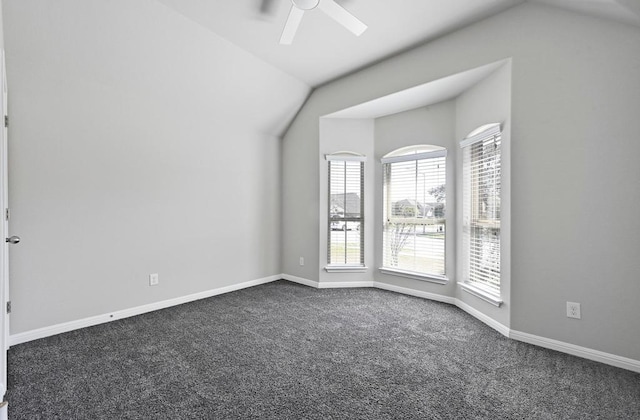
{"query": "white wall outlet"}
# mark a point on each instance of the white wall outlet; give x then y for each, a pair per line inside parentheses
(573, 310)
(153, 279)
(301, 261)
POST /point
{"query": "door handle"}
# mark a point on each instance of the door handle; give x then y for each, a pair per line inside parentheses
(13, 239)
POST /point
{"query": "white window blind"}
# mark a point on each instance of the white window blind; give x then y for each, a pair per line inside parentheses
(481, 208)
(345, 245)
(414, 212)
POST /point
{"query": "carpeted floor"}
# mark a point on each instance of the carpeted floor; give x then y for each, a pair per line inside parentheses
(285, 351)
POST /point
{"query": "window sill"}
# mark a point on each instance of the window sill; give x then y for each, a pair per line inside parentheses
(432, 278)
(482, 294)
(346, 269)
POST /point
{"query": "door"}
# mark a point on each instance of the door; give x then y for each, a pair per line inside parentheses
(4, 245)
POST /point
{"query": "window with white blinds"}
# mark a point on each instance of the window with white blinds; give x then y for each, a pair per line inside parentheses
(481, 208)
(414, 210)
(345, 245)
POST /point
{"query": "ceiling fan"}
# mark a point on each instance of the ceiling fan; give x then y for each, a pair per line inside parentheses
(330, 7)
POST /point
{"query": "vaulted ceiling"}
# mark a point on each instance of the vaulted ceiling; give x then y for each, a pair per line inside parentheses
(323, 50)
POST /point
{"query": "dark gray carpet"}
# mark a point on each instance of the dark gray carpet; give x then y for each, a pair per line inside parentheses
(285, 351)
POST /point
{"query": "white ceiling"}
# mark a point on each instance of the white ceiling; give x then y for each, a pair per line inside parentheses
(323, 50)
(625, 11)
(418, 96)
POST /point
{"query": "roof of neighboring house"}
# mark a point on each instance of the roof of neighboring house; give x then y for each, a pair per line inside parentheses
(352, 205)
(398, 207)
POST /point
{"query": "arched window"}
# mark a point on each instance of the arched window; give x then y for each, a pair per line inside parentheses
(482, 175)
(414, 211)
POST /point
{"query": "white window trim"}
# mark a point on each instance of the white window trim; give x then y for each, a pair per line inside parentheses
(331, 268)
(481, 293)
(415, 156)
(393, 158)
(481, 134)
(431, 278)
(346, 156)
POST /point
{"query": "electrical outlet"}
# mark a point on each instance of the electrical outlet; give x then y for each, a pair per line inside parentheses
(153, 279)
(573, 310)
(301, 261)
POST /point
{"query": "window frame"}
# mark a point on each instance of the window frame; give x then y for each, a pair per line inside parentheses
(346, 157)
(414, 153)
(471, 282)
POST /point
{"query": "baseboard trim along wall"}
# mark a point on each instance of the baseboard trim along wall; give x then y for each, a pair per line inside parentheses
(343, 284)
(126, 313)
(574, 350)
(300, 280)
(501, 328)
(413, 292)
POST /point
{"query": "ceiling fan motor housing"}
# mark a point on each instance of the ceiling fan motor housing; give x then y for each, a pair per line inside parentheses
(305, 4)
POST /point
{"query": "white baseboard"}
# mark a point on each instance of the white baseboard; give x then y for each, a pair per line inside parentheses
(26, 336)
(343, 284)
(595, 355)
(584, 352)
(326, 284)
(416, 293)
(501, 328)
(300, 280)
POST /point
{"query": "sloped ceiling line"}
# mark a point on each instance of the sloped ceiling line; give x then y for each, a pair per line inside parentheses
(324, 51)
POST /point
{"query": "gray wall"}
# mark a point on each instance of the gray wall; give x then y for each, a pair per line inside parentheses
(574, 148)
(1, 26)
(434, 125)
(140, 143)
(352, 135)
(488, 102)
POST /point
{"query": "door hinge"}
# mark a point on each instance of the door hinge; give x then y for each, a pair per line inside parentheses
(7, 214)
(6, 121)
(9, 307)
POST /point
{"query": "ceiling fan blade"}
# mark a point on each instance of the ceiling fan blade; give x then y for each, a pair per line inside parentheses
(342, 16)
(267, 7)
(291, 27)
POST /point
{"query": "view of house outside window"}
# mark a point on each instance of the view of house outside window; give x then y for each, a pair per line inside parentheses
(414, 210)
(346, 202)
